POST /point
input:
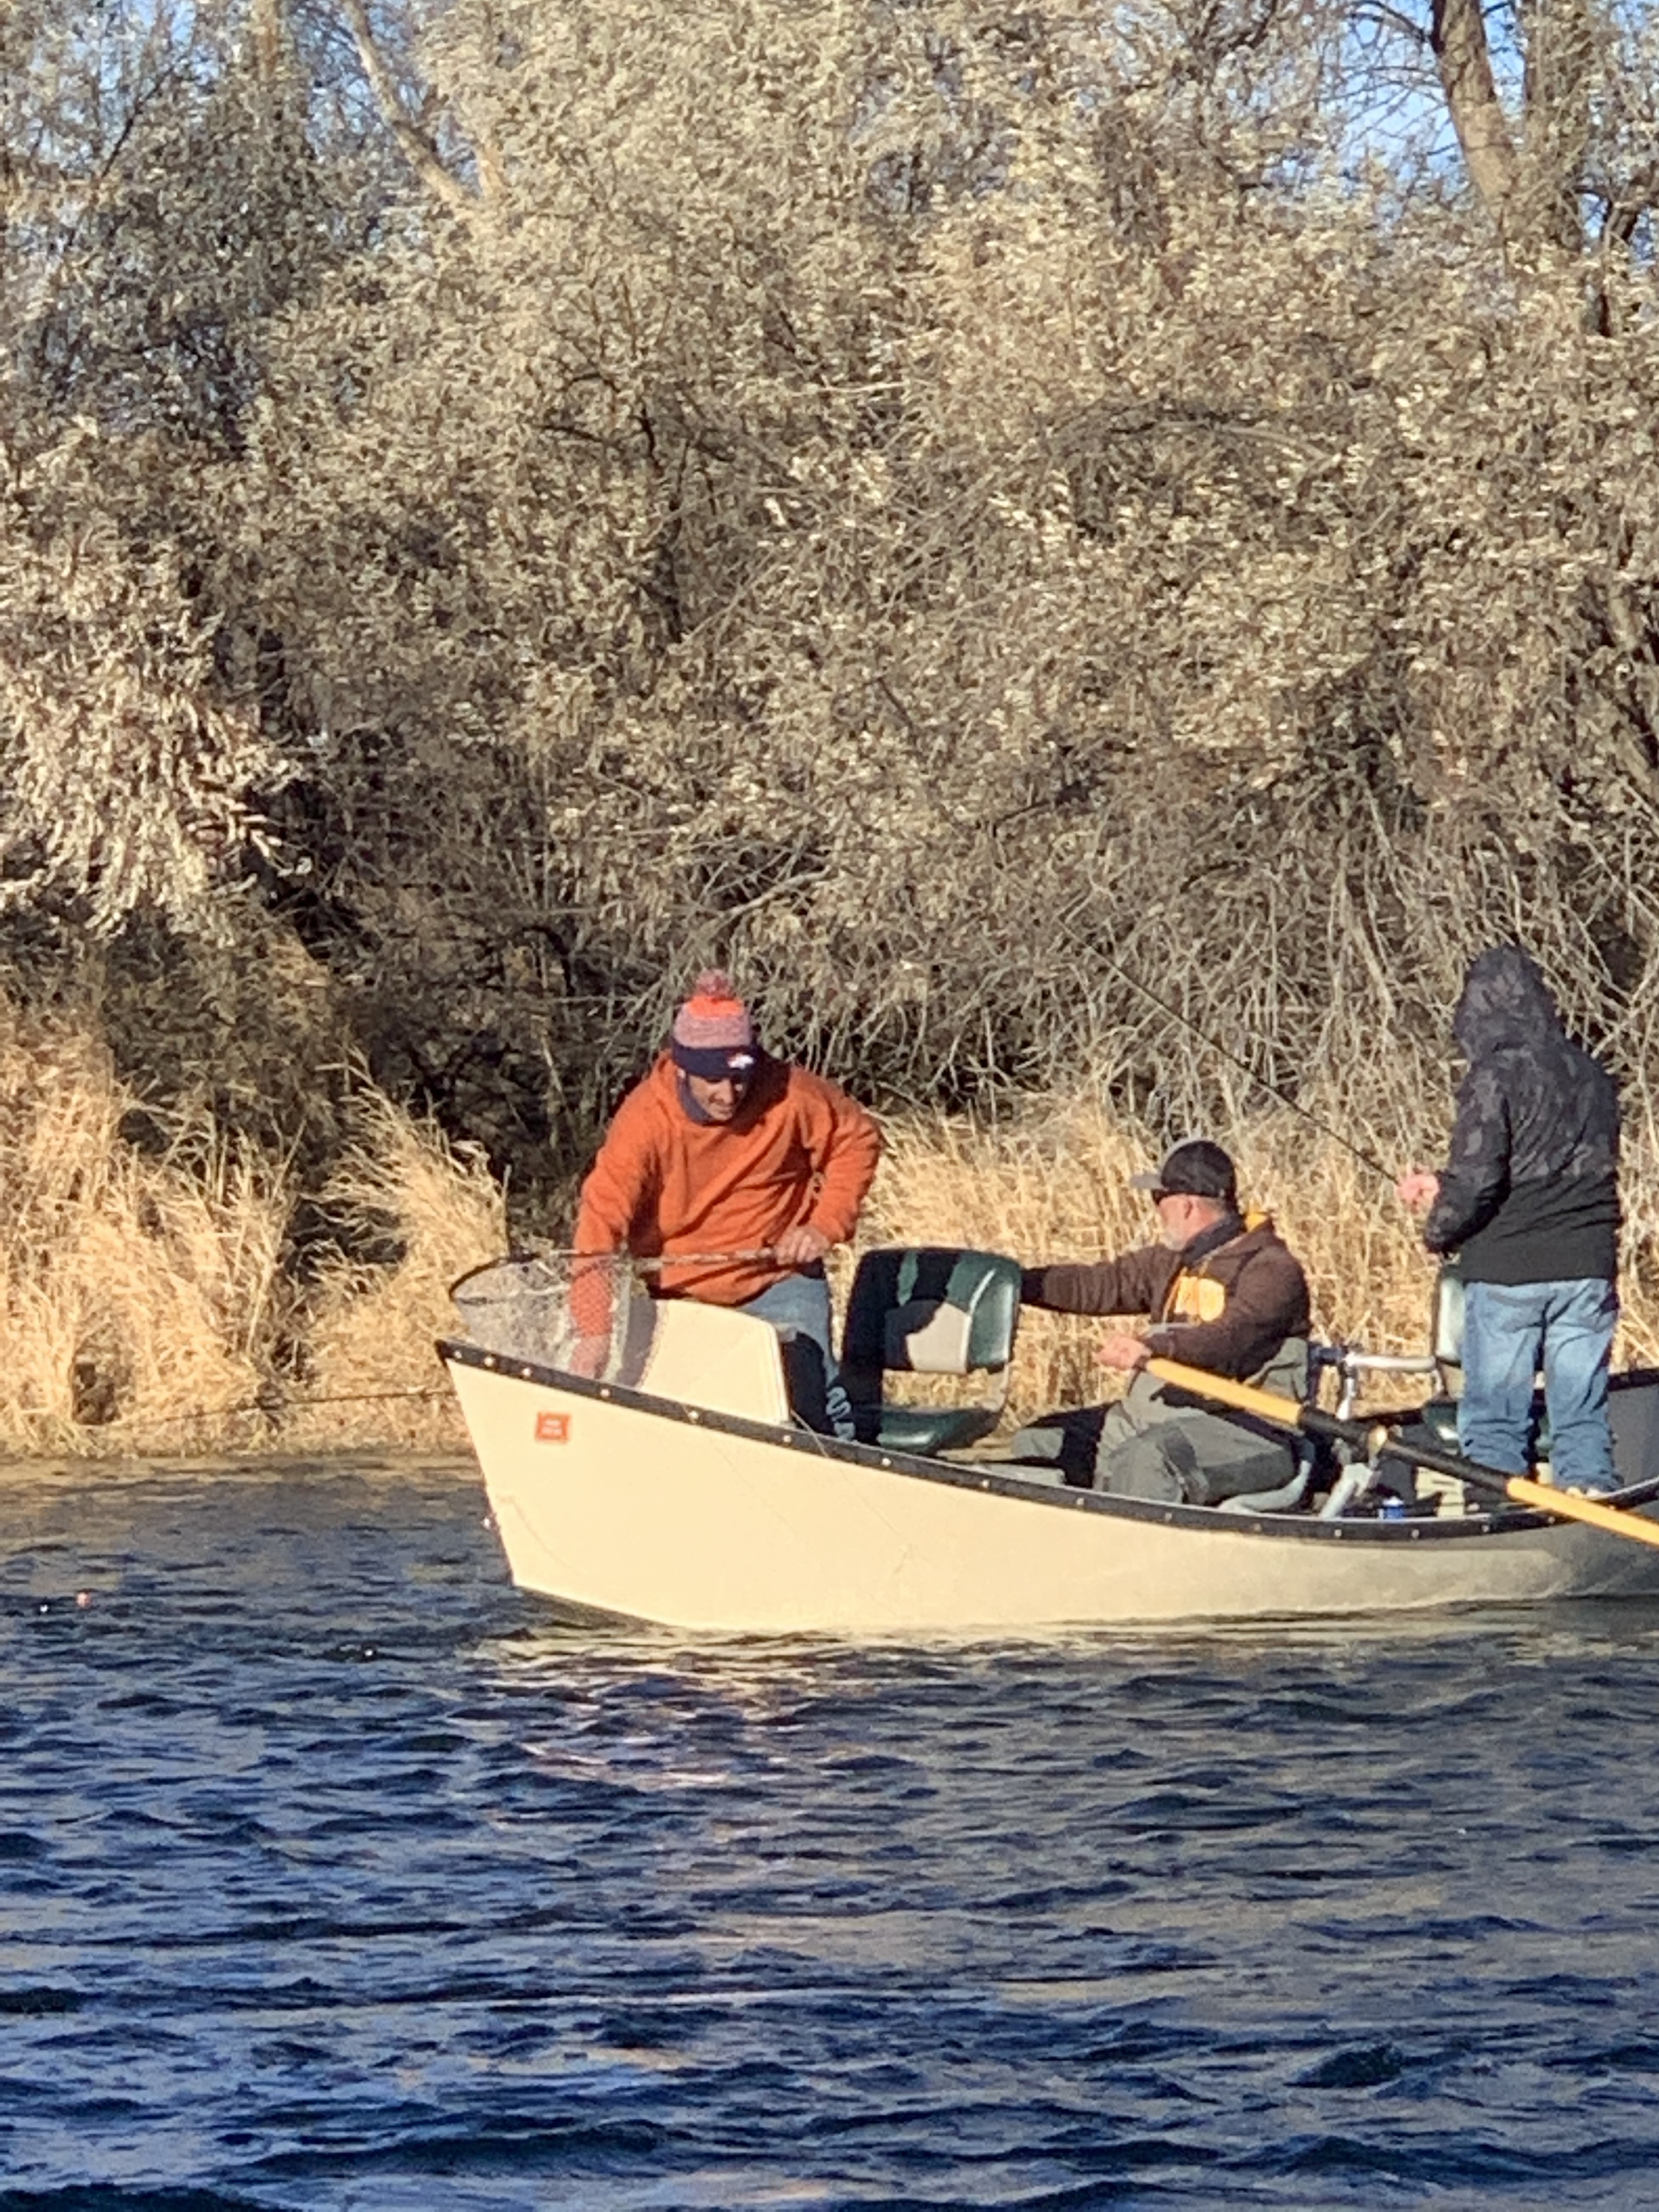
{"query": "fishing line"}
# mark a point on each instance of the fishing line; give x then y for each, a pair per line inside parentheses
(273, 1408)
(1213, 1044)
(653, 1265)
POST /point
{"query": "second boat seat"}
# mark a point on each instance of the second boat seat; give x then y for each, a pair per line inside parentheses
(1439, 1416)
(928, 1309)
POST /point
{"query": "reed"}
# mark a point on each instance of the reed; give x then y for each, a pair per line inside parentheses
(372, 1327)
(140, 1286)
(150, 1303)
(152, 1308)
(1053, 1183)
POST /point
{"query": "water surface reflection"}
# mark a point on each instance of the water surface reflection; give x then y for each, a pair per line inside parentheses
(333, 1875)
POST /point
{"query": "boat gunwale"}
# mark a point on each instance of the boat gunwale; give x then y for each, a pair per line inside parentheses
(985, 1479)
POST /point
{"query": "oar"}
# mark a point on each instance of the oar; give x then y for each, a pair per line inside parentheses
(1376, 1436)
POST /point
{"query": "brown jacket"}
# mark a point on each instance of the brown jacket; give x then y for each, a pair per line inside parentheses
(1231, 1313)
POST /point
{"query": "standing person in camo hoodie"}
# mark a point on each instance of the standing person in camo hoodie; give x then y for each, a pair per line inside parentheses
(721, 1149)
(1529, 1202)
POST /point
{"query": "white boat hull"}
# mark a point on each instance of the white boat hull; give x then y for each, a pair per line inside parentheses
(618, 1501)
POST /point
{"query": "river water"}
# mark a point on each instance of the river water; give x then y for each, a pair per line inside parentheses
(333, 1875)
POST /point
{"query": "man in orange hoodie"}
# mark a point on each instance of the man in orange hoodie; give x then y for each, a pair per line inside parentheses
(722, 1149)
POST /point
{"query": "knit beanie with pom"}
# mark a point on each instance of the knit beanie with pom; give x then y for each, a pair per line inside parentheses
(712, 1035)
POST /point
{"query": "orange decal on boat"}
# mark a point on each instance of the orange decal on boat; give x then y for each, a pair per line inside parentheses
(552, 1428)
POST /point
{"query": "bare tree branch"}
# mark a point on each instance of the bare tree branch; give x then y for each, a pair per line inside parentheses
(419, 147)
(1378, 13)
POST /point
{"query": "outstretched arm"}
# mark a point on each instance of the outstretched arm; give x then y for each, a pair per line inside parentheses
(1133, 1285)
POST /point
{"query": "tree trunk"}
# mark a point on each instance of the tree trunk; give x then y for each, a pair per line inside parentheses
(1458, 34)
(1559, 79)
(1528, 177)
(419, 147)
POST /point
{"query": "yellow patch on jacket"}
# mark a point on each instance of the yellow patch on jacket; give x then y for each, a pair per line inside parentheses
(1194, 1296)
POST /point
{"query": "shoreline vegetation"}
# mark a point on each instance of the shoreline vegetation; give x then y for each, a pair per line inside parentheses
(1089, 556)
(158, 1304)
(1035, 540)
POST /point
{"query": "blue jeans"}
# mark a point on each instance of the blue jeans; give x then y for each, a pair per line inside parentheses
(798, 1307)
(1509, 1331)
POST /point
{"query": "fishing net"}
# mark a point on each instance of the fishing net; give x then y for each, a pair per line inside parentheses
(584, 1317)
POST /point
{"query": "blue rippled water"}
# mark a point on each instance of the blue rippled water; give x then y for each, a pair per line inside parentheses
(333, 1875)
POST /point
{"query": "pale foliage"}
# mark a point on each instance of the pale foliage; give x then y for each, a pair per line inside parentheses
(128, 773)
(843, 463)
(947, 512)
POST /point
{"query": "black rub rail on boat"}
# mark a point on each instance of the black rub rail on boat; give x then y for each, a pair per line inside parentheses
(1293, 1528)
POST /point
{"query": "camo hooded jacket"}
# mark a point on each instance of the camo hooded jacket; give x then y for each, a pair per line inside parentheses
(1530, 1194)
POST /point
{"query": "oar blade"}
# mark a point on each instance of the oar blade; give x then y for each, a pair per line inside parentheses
(1572, 1505)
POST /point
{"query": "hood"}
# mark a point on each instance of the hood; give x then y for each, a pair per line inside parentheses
(1505, 1003)
(1241, 1228)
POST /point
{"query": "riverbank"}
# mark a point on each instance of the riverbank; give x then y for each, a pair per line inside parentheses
(159, 1302)
(158, 1298)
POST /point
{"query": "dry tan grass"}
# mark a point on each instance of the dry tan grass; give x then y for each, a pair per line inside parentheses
(148, 1309)
(146, 1303)
(1053, 1184)
(139, 1290)
(372, 1328)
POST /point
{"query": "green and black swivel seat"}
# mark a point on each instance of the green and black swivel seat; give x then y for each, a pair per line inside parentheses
(928, 1309)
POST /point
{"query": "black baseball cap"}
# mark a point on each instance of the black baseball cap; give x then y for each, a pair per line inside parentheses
(1196, 1169)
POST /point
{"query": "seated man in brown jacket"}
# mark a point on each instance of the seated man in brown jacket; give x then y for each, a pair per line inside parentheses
(1222, 1292)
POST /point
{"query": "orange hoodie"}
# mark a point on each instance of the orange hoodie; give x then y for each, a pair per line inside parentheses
(798, 1151)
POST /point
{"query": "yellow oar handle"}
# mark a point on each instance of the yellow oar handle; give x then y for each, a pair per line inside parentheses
(1242, 1397)
(1287, 1413)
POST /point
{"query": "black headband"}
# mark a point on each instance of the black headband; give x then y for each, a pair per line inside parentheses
(714, 1061)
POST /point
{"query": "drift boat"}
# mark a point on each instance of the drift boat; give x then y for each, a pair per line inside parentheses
(676, 1488)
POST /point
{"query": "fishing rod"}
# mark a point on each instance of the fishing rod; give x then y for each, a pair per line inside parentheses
(1213, 1044)
(577, 1263)
(651, 1266)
